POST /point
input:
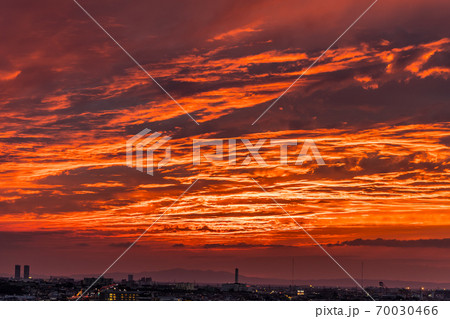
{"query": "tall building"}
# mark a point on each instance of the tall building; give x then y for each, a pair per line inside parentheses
(236, 276)
(26, 272)
(130, 278)
(17, 272)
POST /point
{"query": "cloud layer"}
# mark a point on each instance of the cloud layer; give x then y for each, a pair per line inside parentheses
(377, 105)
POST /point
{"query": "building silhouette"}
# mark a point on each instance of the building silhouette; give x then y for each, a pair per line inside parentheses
(17, 272)
(26, 272)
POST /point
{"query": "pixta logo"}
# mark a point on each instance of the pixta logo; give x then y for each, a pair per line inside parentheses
(144, 149)
(140, 150)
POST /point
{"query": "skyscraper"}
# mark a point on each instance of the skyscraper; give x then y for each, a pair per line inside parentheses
(17, 272)
(236, 276)
(26, 272)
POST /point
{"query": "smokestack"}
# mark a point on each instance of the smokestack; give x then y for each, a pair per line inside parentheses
(236, 276)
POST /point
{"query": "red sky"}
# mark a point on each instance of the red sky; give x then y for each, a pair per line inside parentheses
(377, 105)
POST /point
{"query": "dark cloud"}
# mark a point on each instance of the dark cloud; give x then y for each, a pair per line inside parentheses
(240, 246)
(446, 140)
(414, 243)
(439, 59)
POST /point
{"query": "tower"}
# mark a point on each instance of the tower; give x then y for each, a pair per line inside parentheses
(26, 272)
(17, 272)
(236, 276)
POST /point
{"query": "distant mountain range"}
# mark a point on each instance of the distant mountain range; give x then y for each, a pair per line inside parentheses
(218, 277)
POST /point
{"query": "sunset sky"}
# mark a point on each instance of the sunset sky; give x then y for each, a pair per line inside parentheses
(376, 105)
